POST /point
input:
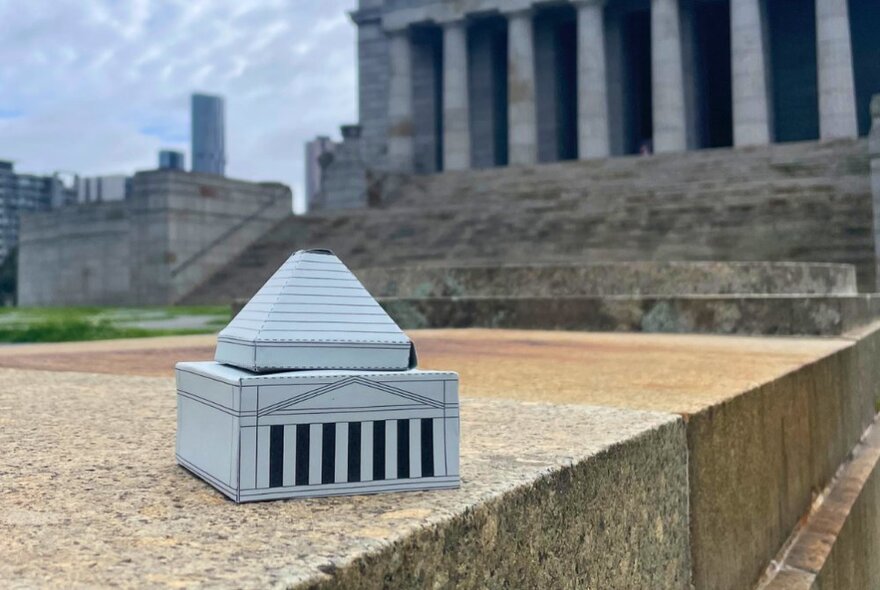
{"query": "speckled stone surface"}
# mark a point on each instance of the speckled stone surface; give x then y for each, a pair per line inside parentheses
(768, 420)
(836, 547)
(808, 315)
(610, 278)
(552, 496)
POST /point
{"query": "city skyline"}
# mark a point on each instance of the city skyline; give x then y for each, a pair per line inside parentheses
(115, 81)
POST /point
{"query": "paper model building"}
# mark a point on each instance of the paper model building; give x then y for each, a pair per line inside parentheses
(314, 392)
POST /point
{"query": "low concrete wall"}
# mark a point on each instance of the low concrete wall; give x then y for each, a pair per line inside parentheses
(559, 488)
(614, 522)
(175, 231)
(709, 314)
(80, 256)
(757, 460)
(602, 279)
(551, 497)
(838, 544)
(854, 560)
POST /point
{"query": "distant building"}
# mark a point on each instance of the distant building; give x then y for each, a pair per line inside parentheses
(171, 160)
(208, 134)
(20, 193)
(101, 189)
(450, 86)
(316, 150)
(173, 233)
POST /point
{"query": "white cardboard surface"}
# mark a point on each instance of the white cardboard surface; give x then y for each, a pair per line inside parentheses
(315, 393)
(314, 314)
(261, 437)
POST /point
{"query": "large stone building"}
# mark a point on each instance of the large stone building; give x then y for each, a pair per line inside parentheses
(450, 85)
(176, 230)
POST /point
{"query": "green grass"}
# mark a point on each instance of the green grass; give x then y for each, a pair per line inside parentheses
(21, 325)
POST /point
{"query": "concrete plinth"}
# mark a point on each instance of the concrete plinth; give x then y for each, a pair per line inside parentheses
(92, 498)
(556, 491)
(611, 278)
(700, 314)
(834, 548)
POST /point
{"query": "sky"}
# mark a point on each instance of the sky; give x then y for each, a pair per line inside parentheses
(100, 86)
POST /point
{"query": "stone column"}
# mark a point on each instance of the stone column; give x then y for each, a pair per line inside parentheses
(667, 77)
(400, 102)
(593, 139)
(751, 102)
(456, 110)
(522, 113)
(874, 152)
(837, 93)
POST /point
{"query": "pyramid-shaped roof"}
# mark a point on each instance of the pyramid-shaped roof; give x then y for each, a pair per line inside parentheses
(314, 314)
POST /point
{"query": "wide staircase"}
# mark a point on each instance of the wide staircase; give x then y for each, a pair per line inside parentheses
(797, 202)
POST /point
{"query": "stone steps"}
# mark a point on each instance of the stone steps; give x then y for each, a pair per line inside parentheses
(797, 202)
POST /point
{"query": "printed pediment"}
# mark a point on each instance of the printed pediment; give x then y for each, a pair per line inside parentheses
(352, 393)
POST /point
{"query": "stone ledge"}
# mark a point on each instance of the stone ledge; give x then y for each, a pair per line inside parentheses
(834, 547)
(768, 421)
(646, 279)
(596, 497)
(811, 315)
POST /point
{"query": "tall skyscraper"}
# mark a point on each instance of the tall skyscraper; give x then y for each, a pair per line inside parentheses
(208, 134)
(171, 160)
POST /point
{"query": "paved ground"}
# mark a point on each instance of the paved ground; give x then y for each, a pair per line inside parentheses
(677, 373)
(91, 497)
(94, 497)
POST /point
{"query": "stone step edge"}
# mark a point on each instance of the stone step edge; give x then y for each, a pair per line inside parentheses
(496, 540)
(810, 551)
(782, 315)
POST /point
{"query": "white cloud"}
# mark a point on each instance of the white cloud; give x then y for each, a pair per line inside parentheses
(99, 86)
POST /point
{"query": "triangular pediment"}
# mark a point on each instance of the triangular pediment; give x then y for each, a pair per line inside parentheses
(352, 393)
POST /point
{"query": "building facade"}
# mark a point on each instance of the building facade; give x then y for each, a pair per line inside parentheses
(208, 134)
(101, 189)
(21, 193)
(175, 231)
(172, 160)
(452, 85)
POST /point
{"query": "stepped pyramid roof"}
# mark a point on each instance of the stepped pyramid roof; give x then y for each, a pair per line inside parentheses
(314, 314)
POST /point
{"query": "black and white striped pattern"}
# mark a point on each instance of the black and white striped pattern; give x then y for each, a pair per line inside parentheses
(302, 455)
(312, 434)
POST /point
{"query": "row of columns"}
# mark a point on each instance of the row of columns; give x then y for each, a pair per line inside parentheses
(750, 82)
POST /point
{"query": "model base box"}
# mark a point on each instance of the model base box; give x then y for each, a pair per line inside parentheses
(317, 433)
